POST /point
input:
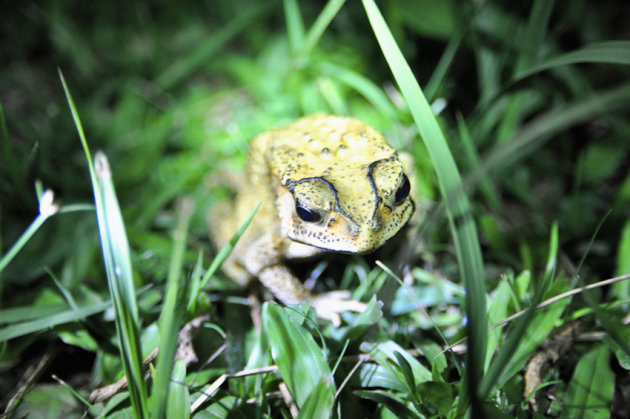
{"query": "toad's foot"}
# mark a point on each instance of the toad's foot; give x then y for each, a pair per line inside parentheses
(330, 305)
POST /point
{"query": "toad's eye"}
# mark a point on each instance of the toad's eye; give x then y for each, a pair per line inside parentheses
(403, 191)
(306, 213)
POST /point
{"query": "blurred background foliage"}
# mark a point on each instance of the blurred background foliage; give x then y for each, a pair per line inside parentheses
(172, 93)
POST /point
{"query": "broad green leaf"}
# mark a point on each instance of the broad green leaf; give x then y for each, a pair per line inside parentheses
(601, 161)
(375, 375)
(221, 409)
(319, 403)
(387, 353)
(390, 401)
(301, 361)
(405, 369)
(435, 356)
(592, 386)
(80, 338)
(437, 397)
(46, 401)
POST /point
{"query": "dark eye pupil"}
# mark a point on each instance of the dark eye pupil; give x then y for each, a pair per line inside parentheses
(307, 214)
(403, 190)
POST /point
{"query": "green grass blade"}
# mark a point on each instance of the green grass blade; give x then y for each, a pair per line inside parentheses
(74, 392)
(532, 43)
(331, 94)
(319, 26)
(457, 207)
(542, 129)
(170, 318)
(608, 52)
(443, 65)
(178, 405)
(227, 249)
(473, 160)
(45, 322)
(28, 312)
(361, 84)
(508, 350)
(591, 389)
(535, 33)
(194, 284)
(295, 25)
(46, 208)
(116, 256)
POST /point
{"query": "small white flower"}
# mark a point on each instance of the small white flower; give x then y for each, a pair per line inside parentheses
(46, 205)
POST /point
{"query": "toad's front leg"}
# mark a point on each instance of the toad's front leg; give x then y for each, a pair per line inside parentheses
(287, 288)
(264, 260)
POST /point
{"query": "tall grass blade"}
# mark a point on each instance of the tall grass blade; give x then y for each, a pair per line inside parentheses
(443, 65)
(542, 129)
(170, 318)
(457, 207)
(473, 160)
(532, 42)
(608, 52)
(116, 256)
(46, 208)
(361, 84)
(295, 25)
(178, 405)
(319, 26)
(227, 249)
(46, 322)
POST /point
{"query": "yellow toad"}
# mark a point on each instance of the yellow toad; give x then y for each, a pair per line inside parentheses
(327, 183)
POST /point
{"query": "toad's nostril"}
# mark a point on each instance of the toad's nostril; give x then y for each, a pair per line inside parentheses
(352, 229)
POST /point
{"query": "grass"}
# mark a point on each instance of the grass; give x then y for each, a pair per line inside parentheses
(524, 189)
